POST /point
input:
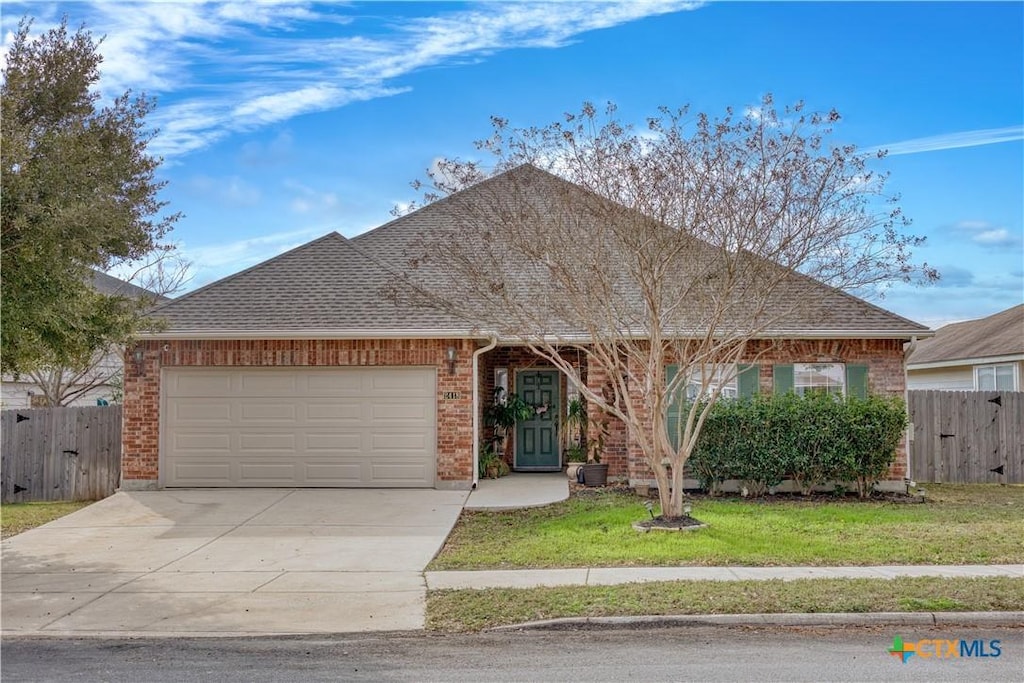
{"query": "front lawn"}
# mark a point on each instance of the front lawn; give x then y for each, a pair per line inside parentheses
(18, 517)
(474, 610)
(978, 524)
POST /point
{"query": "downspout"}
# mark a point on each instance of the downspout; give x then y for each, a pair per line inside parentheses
(908, 437)
(476, 406)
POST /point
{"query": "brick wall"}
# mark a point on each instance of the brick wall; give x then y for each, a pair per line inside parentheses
(884, 358)
(141, 434)
(514, 358)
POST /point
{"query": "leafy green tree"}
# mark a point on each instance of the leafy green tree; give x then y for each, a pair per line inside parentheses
(79, 192)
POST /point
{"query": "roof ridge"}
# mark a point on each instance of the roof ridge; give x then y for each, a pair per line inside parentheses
(450, 197)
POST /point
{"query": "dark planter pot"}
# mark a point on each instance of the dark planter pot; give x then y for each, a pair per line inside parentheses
(595, 474)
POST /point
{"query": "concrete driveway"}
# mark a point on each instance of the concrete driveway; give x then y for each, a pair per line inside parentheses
(229, 562)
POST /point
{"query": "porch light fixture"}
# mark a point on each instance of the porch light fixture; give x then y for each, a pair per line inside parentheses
(451, 360)
(137, 357)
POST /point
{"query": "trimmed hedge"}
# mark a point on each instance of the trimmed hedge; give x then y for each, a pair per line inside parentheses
(813, 440)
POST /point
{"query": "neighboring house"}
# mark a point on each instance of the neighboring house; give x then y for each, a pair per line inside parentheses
(90, 385)
(300, 372)
(977, 355)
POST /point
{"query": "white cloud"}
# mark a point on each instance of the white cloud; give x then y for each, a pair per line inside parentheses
(936, 143)
(214, 261)
(994, 238)
(268, 67)
(987, 235)
(307, 200)
(232, 191)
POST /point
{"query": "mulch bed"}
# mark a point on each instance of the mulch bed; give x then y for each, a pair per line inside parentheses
(581, 491)
(685, 523)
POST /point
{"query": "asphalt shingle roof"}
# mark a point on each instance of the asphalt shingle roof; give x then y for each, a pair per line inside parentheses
(1001, 334)
(337, 286)
(112, 286)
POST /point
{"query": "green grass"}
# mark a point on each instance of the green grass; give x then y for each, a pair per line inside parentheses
(18, 517)
(474, 610)
(957, 525)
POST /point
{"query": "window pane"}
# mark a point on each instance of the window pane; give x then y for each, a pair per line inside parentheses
(1004, 377)
(711, 377)
(986, 378)
(501, 384)
(825, 378)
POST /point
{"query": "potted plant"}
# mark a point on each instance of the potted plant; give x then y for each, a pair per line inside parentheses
(490, 464)
(574, 434)
(502, 415)
(595, 472)
(575, 456)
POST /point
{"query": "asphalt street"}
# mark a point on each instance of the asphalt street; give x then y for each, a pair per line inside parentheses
(655, 654)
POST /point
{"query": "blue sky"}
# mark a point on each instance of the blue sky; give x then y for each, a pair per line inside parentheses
(283, 121)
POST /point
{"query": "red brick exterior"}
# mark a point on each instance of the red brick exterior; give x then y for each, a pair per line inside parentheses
(141, 433)
(884, 358)
(512, 358)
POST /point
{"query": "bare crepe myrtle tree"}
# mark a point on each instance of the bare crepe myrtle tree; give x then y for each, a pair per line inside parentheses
(681, 243)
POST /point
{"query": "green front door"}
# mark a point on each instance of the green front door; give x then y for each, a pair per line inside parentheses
(537, 437)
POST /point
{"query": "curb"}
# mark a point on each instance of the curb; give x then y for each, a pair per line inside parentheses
(924, 619)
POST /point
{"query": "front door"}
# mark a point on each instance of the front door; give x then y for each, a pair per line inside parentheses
(537, 437)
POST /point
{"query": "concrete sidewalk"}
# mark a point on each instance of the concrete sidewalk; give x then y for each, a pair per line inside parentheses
(519, 490)
(607, 576)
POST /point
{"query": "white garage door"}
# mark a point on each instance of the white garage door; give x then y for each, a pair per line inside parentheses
(298, 427)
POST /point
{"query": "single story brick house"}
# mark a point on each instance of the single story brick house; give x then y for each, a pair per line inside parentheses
(297, 373)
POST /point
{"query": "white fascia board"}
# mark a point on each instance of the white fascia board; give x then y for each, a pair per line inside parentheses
(795, 334)
(989, 360)
(314, 334)
(847, 334)
(508, 340)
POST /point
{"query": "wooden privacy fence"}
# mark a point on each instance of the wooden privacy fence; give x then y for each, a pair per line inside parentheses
(49, 454)
(967, 437)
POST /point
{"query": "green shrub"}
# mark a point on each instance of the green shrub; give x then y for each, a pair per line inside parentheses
(814, 440)
(876, 425)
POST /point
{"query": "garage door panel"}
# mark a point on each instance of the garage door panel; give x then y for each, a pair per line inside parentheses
(334, 473)
(269, 410)
(397, 470)
(205, 442)
(273, 384)
(401, 411)
(334, 412)
(338, 442)
(390, 442)
(201, 472)
(214, 383)
(358, 427)
(283, 442)
(332, 383)
(402, 384)
(265, 473)
(201, 411)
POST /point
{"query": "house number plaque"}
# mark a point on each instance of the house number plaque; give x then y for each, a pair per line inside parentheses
(452, 396)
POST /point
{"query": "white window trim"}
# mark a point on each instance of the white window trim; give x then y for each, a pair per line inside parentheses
(501, 381)
(1014, 367)
(796, 371)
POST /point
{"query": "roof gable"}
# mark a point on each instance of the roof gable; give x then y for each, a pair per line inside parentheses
(335, 286)
(112, 286)
(1001, 334)
(326, 285)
